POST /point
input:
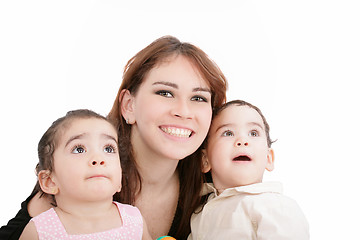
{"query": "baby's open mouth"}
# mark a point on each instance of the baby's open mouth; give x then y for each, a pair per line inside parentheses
(242, 158)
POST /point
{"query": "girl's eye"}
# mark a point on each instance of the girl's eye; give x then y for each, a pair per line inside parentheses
(164, 93)
(253, 133)
(78, 149)
(110, 149)
(227, 133)
(199, 99)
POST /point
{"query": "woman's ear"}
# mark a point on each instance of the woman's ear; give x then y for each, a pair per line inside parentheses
(127, 106)
(205, 161)
(270, 160)
(46, 182)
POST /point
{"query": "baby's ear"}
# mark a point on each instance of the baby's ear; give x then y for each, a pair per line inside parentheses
(205, 161)
(46, 182)
(270, 160)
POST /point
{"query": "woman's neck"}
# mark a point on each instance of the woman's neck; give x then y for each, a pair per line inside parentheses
(158, 197)
(155, 170)
(160, 187)
(157, 173)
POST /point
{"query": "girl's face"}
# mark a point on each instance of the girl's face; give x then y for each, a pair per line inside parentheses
(86, 161)
(171, 111)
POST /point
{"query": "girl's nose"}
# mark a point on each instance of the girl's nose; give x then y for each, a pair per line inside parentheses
(95, 162)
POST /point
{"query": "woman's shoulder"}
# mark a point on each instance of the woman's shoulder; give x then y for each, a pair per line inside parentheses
(16, 225)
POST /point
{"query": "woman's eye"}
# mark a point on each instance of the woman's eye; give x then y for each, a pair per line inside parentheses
(228, 133)
(109, 149)
(78, 149)
(199, 99)
(164, 93)
(253, 133)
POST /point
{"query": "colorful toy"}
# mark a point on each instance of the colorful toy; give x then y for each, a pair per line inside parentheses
(166, 238)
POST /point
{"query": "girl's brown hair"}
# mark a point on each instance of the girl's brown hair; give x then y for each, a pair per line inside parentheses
(189, 168)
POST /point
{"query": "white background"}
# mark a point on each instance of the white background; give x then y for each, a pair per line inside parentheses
(296, 60)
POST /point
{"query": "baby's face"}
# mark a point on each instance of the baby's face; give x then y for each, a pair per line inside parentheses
(237, 148)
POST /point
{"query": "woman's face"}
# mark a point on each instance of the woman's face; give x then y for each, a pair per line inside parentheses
(171, 111)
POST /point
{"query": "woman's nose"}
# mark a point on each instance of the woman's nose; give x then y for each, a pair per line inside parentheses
(182, 109)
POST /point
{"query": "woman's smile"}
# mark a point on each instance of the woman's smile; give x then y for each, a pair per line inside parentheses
(177, 132)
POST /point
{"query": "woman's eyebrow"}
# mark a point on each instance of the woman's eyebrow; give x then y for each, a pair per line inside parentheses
(170, 84)
(201, 89)
(173, 85)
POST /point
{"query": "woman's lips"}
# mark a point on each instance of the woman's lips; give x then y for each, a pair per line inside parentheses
(177, 132)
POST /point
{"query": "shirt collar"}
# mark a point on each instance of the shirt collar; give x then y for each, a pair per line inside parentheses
(256, 188)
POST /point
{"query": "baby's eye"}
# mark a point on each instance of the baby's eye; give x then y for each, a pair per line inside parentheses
(164, 93)
(199, 99)
(109, 149)
(227, 133)
(253, 133)
(78, 149)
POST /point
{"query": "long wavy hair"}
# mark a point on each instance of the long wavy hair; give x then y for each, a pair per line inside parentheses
(189, 169)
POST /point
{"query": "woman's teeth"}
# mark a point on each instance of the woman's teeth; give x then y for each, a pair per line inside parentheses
(178, 132)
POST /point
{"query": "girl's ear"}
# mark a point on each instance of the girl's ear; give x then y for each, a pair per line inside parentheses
(46, 182)
(127, 106)
(205, 161)
(270, 160)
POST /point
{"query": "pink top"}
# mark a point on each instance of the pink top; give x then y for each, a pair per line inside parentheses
(49, 226)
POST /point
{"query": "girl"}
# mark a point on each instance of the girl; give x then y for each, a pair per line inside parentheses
(79, 169)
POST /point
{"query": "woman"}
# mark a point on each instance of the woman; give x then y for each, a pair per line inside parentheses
(163, 112)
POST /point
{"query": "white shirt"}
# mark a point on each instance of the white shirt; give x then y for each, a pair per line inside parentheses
(257, 211)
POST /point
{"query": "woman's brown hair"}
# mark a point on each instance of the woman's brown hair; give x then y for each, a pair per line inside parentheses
(189, 168)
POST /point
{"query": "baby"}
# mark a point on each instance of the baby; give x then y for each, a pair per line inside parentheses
(240, 205)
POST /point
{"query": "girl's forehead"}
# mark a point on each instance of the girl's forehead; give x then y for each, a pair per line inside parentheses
(82, 125)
